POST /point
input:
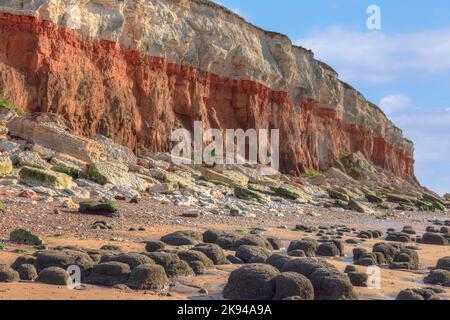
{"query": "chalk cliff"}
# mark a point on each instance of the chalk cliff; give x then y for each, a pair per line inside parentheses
(136, 69)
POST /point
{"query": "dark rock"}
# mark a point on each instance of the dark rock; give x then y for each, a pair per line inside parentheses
(234, 260)
(111, 247)
(292, 284)
(148, 277)
(63, 259)
(211, 236)
(226, 241)
(309, 246)
(54, 276)
(107, 208)
(388, 250)
(278, 260)
(328, 249)
(251, 282)
(252, 240)
(330, 284)
(353, 241)
(197, 266)
(131, 259)
(26, 259)
(398, 237)
(306, 266)
(171, 263)
(8, 274)
(152, 246)
(297, 253)
(418, 294)
(443, 263)
(350, 268)
(192, 255)
(434, 239)
(213, 252)
(275, 243)
(27, 272)
(437, 277)
(408, 257)
(252, 254)
(182, 238)
(110, 273)
(358, 279)
(358, 252)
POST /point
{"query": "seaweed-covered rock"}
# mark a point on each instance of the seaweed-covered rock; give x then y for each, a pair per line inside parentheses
(22, 236)
(131, 259)
(148, 277)
(398, 237)
(153, 246)
(110, 273)
(406, 259)
(27, 272)
(434, 239)
(278, 260)
(388, 250)
(63, 259)
(25, 259)
(213, 252)
(291, 284)
(251, 282)
(306, 266)
(193, 255)
(182, 238)
(8, 274)
(46, 178)
(252, 240)
(252, 254)
(443, 263)
(309, 246)
(328, 249)
(172, 264)
(330, 284)
(437, 276)
(358, 279)
(275, 243)
(53, 275)
(358, 253)
(211, 236)
(106, 208)
(418, 294)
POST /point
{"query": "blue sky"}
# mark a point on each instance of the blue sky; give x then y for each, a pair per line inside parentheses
(404, 67)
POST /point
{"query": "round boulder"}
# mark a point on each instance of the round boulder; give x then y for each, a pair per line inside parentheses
(182, 238)
(291, 284)
(148, 277)
(8, 274)
(330, 284)
(437, 277)
(252, 254)
(213, 252)
(443, 263)
(171, 263)
(309, 246)
(27, 272)
(358, 279)
(278, 260)
(110, 273)
(251, 282)
(152, 246)
(434, 239)
(131, 259)
(306, 266)
(54, 276)
(328, 249)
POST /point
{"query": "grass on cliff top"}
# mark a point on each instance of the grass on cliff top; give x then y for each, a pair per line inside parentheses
(211, 4)
(8, 105)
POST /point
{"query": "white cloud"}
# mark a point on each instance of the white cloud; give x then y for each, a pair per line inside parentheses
(376, 56)
(395, 103)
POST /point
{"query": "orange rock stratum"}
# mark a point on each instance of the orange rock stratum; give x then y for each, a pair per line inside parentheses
(135, 70)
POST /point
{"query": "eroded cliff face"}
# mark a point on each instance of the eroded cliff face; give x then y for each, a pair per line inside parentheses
(135, 70)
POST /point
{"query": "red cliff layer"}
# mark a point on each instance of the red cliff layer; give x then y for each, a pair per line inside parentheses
(138, 100)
